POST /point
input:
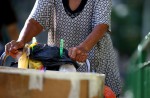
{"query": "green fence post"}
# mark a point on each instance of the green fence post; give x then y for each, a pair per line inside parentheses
(138, 76)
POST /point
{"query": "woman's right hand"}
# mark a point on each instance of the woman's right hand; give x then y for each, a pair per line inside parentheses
(12, 48)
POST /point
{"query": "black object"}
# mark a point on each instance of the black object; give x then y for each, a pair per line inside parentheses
(50, 56)
(14, 64)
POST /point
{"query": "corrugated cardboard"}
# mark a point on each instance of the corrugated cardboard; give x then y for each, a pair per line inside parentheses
(20, 83)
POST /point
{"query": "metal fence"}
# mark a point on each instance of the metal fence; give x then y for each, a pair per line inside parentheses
(137, 84)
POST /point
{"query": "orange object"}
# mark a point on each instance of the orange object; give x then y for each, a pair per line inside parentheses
(108, 93)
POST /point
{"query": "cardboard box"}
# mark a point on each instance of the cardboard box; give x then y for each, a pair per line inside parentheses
(20, 83)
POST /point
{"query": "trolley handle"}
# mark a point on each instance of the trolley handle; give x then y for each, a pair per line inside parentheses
(4, 56)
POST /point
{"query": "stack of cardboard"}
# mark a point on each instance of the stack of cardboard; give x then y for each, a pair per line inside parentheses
(21, 83)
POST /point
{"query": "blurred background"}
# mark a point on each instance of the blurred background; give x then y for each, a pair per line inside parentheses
(130, 23)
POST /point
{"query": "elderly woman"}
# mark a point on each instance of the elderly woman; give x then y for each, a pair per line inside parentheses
(85, 27)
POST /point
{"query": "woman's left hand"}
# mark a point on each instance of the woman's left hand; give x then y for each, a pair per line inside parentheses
(78, 54)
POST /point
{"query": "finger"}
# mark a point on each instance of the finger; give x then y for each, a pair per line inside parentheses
(83, 57)
(70, 51)
(12, 49)
(77, 58)
(19, 45)
(12, 42)
(79, 51)
(7, 47)
(73, 54)
(15, 46)
(14, 55)
(79, 55)
(12, 52)
(80, 58)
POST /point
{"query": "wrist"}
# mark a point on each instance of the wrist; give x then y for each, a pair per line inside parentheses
(84, 47)
(21, 41)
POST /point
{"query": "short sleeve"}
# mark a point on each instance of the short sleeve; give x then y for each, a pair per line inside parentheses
(42, 12)
(102, 13)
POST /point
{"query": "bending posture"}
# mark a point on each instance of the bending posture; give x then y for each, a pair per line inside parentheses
(85, 27)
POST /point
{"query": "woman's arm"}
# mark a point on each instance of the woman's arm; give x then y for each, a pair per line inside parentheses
(101, 21)
(36, 22)
(80, 53)
(94, 37)
(30, 29)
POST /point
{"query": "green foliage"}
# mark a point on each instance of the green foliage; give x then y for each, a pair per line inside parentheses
(126, 31)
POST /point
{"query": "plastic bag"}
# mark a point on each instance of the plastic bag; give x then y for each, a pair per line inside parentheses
(49, 56)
